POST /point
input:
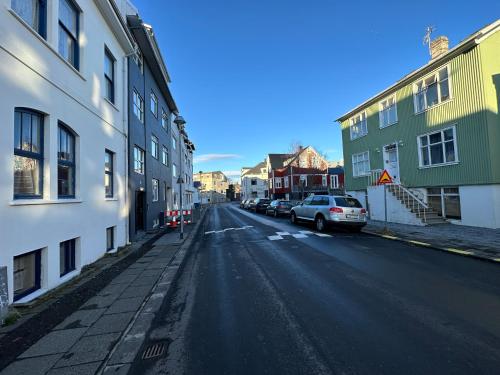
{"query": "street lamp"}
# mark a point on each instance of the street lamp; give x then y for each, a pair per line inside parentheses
(180, 122)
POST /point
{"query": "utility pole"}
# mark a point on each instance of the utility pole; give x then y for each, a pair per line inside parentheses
(179, 121)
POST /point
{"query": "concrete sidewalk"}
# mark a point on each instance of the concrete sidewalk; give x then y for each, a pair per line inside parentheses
(481, 243)
(84, 340)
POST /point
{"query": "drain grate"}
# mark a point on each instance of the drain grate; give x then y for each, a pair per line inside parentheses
(153, 351)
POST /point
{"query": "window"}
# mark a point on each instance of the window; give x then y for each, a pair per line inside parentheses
(28, 154)
(138, 106)
(110, 238)
(347, 202)
(34, 13)
(68, 32)
(165, 189)
(174, 143)
(174, 170)
(165, 119)
(67, 257)
(155, 187)
(438, 148)
(358, 126)
(334, 181)
(109, 75)
(108, 173)
(164, 155)
(446, 201)
(154, 105)
(361, 164)
(277, 182)
(66, 163)
(253, 181)
(139, 61)
(155, 150)
(286, 181)
(138, 160)
(303, 179)
(388, 114)
(324, 180)
(27, 270)
(432, 90)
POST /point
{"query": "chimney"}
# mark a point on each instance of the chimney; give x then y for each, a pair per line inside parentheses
(438, 47)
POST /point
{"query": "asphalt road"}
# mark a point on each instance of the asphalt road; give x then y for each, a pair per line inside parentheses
(345, 304)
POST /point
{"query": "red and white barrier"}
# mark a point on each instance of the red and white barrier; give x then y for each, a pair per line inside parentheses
(174, 217)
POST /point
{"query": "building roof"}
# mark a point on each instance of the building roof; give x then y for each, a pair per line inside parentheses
(256, 169)
(146, 40)
(336, 170)
(465, 45)
(112, 15)
(277, 160)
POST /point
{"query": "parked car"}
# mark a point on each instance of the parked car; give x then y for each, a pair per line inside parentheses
(326, 210)
(260, 205)
(242, 203)
(248, 202)
(279, 208)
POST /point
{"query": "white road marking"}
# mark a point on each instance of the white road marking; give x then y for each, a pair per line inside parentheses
(305, 232)
(322, 235)
(228, 229)
(248, 226)
(210, 232)
(283, 234)
(299, 235)
(274, 238)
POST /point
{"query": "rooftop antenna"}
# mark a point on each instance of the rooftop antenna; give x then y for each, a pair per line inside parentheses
(427, 38)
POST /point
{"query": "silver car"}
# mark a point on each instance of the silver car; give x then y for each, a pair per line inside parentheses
(326, 210)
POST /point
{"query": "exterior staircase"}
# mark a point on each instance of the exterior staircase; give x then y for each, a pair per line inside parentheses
(421, 210)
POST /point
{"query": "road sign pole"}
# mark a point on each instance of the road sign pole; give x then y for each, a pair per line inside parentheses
(385, 207)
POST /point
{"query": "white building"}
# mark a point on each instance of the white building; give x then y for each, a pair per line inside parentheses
(63, 144)
(254, 182)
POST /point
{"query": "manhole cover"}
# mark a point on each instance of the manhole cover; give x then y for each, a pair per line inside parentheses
(153, 351)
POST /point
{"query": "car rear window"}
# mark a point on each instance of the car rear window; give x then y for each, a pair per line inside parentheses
(285, 203)
(347, 202)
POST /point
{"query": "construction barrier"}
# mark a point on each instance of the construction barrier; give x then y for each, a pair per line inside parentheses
(173, 217)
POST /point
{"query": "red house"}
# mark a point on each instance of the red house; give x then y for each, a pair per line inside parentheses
(295, 176)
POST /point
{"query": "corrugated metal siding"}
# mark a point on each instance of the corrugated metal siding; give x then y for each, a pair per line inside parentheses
(466, 110)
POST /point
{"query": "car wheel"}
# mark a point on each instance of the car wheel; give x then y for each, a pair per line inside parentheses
(275, 213)
(293, 218)
(320, 223)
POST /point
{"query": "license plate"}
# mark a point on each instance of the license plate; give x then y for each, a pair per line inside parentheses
(352, 216)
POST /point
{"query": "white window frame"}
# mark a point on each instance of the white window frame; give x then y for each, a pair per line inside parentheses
(277, 182)
(440, 101)
(334, 181)
(352, 122)
(355, 172)
(138, 107)
(155, 187)
(286, 183)
(420, 146)
(381, 109)
(324, 180)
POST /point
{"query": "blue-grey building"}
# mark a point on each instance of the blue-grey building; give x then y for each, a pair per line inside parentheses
(151, 113)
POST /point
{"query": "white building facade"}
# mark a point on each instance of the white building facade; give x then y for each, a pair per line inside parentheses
(64, 139)
(254, 182)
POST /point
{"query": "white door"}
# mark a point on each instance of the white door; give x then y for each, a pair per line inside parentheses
(391, 162)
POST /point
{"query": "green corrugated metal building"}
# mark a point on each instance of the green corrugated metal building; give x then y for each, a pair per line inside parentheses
(437, 132)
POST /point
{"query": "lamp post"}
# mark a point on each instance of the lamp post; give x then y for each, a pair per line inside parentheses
(179, 121)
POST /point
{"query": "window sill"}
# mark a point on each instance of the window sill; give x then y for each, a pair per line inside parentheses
(111, 104)
(438, 165)
(361, 136)
(45, 42)
(361, 176)
(38, 202)
(388, 125)
(111, 199)
(434, 106)
(30, 297)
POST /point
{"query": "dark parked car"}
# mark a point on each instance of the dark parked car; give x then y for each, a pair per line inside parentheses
(279, 208)
(260, 205)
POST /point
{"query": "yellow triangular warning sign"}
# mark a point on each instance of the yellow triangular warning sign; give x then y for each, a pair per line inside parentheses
(384, 178)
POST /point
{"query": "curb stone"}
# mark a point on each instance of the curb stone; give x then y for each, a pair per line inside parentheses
(462, 252)
(130, 343)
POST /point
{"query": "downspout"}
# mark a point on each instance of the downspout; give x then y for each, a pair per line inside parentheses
(125, 108)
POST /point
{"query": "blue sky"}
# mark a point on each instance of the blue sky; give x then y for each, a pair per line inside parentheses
(251, 77)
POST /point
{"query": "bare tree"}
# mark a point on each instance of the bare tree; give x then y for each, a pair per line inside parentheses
(294, 146)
